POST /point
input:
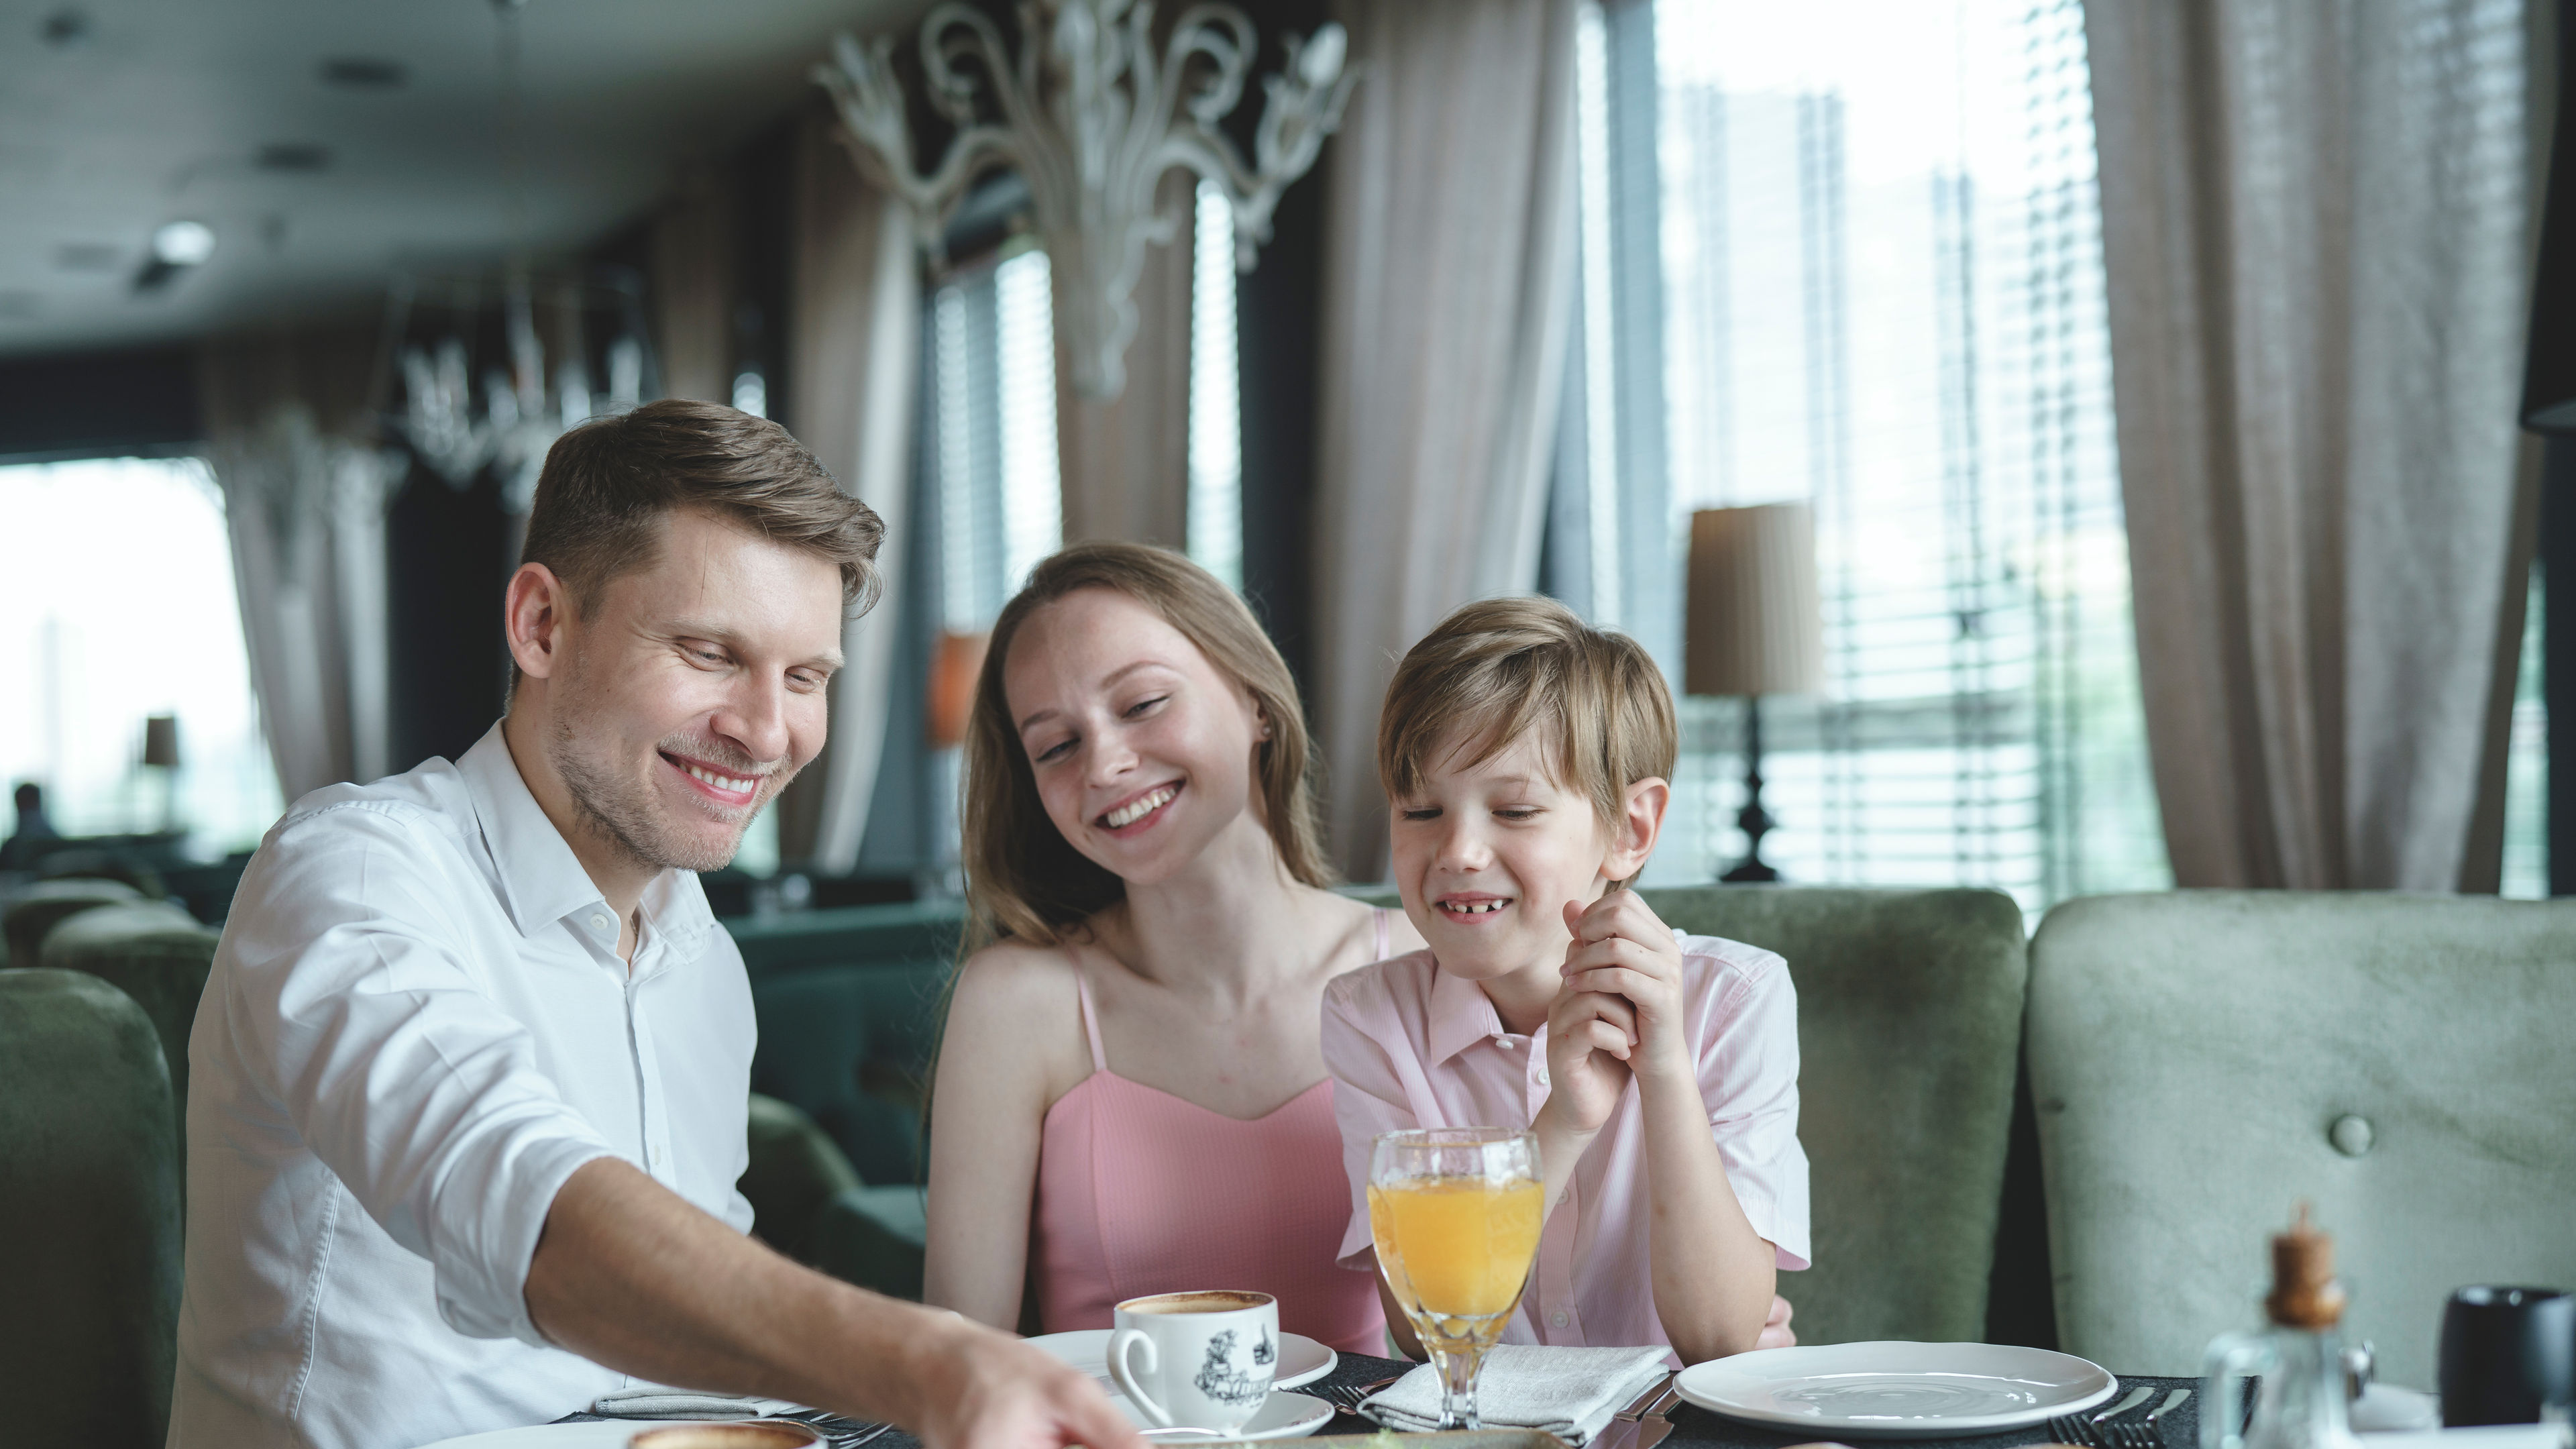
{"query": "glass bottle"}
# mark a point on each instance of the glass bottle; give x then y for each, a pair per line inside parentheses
(2298, 1359)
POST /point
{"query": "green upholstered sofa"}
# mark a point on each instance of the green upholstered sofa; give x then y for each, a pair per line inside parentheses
(2203, 1060)
(31, 914)
(155, 953)
(89, 1215)
(1909, 1015)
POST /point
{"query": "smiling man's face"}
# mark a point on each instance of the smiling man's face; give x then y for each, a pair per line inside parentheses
(694, 691)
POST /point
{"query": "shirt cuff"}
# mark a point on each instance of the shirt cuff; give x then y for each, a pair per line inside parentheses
(483, 1289)
(1788, 1240)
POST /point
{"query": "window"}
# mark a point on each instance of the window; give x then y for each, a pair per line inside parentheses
(1868, 235)
(1215, 508)
(990, 395)
(101, 627)
(2526, 768)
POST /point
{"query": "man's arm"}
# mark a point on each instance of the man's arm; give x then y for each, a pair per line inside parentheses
(629, 1275)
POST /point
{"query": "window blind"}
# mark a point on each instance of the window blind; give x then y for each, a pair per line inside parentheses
(989, 409)
(1880, 291)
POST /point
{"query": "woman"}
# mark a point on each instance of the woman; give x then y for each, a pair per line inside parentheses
(1130, 1098)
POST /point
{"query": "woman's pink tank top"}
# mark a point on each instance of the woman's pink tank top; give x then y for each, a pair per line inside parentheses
(1142, 1192)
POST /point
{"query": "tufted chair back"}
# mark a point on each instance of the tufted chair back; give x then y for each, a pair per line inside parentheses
(35, 911)
(89, 1215)
(2202, 1060)
(156, 953)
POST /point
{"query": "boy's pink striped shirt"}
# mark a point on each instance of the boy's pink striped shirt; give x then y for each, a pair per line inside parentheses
(1411, 1046)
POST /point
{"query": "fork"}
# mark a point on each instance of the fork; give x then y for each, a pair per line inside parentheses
(1347, 1397)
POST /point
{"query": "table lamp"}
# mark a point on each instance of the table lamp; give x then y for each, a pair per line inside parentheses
(161, 753)
(955, 663)
(1752, 627)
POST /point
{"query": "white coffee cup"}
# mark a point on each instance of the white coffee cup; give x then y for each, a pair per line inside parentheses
(1196, 1360)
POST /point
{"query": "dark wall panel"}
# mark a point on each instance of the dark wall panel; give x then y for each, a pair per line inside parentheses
(99, 404)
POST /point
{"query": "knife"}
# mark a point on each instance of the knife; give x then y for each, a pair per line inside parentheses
(2137, 1396)
(1645, 1403)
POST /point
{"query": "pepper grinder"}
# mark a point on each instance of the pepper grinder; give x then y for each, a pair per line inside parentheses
(2298, 1357)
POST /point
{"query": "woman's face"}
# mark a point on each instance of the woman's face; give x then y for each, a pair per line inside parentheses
(1142, 749)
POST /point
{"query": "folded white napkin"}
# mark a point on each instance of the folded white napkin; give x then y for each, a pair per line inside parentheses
(2487, 1436)
(655, 1402)
(1568, 1392)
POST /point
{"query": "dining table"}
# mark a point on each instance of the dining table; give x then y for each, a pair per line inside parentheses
(1694, 1427)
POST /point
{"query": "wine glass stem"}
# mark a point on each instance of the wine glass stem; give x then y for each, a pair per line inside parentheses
(1458, 1369)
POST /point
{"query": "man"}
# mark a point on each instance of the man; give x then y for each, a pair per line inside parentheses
(469, 1082)
(25, 844)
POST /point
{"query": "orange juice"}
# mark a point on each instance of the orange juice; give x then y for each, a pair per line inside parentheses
(1456, 1248)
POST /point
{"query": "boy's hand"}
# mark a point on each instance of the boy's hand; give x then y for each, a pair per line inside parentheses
(1590, 1036)
(1621, 949)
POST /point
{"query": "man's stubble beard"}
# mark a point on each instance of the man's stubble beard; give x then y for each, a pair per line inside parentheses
(624, 813)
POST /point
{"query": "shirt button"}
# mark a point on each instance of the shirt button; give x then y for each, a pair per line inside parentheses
(599, 923)
(1542, 1076)
(653, 1155)
(1557, 1319)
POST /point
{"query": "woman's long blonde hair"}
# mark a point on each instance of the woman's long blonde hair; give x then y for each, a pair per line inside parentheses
(1024, 880)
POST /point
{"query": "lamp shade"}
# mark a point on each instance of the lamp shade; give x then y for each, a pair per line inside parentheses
(1752, 621)
(954, 667)
(161, 740)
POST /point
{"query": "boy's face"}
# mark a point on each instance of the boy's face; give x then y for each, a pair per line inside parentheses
(1488, 855)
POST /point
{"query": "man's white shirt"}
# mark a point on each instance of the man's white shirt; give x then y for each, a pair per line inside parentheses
(416, 1028)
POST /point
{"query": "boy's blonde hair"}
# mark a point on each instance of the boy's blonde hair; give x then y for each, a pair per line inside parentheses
(1496, 671)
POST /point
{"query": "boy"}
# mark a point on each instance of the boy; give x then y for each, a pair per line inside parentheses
(1527, 758)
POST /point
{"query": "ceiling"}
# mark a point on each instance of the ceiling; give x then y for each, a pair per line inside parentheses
(117, 116)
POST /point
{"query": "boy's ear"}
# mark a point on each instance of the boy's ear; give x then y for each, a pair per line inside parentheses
(1640, 825)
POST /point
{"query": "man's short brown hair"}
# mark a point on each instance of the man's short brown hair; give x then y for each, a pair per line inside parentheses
(1501, 670)
(608, 483)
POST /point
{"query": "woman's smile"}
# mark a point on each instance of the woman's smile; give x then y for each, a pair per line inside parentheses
(1140, 812)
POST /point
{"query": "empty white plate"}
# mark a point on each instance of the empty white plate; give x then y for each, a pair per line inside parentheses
(1283, 1416)
(1301, 1359)
(1895, 1390)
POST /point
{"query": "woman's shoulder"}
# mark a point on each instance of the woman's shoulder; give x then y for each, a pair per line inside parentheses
(1015, 978)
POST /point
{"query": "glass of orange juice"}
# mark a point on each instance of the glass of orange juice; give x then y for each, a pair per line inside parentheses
(1455, 1213)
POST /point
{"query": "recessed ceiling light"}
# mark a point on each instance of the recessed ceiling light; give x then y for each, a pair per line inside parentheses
(365, 73)
(65, 28)
(183, 243)
(302, 156)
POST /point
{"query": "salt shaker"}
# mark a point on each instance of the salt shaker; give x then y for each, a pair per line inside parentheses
(2298, 1357)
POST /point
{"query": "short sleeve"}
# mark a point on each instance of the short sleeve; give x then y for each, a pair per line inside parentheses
(1368, 1098)
(382, 1049)
(1748, 1075)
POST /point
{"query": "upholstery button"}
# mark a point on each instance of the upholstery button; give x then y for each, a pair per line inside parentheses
(1557, 1319)
(2350, 1135)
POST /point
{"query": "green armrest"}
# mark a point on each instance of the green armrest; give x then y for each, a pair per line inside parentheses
(1909, 1024)
(155, 953)
(35, 911)
(794, 1170)
(89, 1216)
(872, 1236)
(2192, 1055)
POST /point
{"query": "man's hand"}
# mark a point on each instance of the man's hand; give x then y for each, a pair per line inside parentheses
(984, 1389)
(1776, 1332)
(1620, 949)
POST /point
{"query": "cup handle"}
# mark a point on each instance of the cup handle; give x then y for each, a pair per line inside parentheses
(1119, 1343)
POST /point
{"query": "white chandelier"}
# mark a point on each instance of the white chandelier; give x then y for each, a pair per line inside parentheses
(524, 409)
(1091, 118)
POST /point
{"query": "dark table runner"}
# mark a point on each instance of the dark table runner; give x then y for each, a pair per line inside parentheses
(1693, 1425)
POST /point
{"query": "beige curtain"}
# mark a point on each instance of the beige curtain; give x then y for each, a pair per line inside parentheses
(853, 327)
(1125, 463)
(1448, 287)
(693, 288)
(290, 440)
(2313, 226)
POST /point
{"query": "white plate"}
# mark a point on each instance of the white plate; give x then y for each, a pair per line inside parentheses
(1896, 1390)
(1284, 1416)
(1301, 1359)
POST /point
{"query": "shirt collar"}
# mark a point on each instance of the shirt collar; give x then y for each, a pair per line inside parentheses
(542, 881)
(1461, 1015)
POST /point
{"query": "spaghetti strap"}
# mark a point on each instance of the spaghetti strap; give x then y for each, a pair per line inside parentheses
(1090, 1016)
(1385, 933)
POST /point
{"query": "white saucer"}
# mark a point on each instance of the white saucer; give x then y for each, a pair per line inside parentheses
(1896, 1390)
(1301, 1359)
(1284, 1416)
(606, 1434)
